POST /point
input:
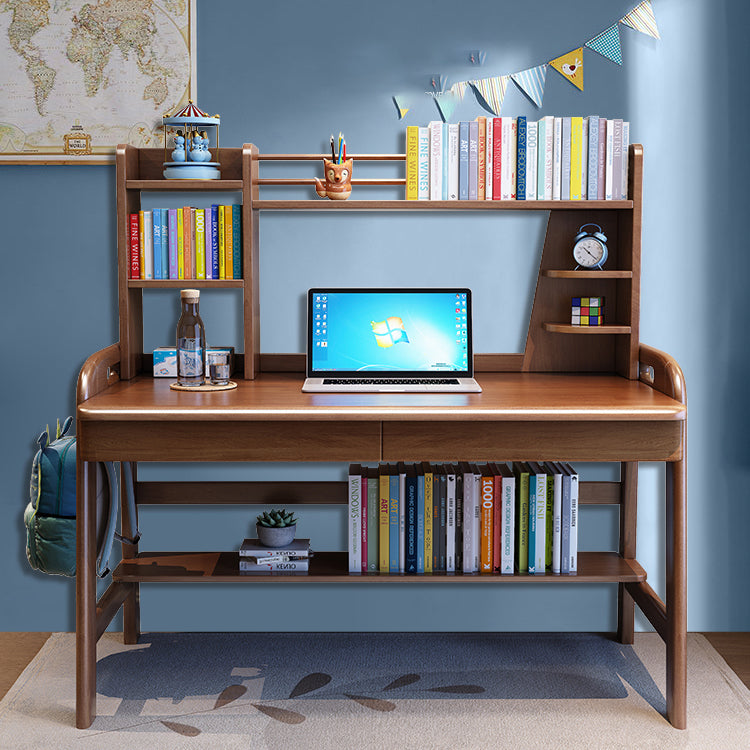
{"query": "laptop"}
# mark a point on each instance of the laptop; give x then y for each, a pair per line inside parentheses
(389, 340)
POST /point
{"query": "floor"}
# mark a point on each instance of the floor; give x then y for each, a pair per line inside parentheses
(18, 649)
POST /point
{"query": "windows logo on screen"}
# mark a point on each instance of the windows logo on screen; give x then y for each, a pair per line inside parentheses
(389, 332)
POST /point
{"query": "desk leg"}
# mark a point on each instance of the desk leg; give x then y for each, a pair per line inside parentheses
(628, 523)
(676, 586)
(131, 608)
(85, 594)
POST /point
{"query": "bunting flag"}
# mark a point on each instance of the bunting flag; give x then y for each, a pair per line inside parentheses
(492, 91)
(447, 101)
(570, 66)
(642, 19)
(531, 82)
(401, 105)
(607, 44)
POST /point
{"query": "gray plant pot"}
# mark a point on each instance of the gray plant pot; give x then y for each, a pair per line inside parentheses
(270, 536)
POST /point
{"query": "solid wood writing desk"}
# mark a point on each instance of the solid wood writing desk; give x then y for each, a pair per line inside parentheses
(518, 416)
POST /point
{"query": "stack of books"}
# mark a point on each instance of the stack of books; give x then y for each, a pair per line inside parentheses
(513, 158)
(294, 558)
(186, 243)
(466, 518)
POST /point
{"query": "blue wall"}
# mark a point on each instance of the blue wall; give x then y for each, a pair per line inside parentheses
(282, 80)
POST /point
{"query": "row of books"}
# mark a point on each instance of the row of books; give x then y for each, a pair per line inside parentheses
(513, 158)
(463, 518)
(186, 243)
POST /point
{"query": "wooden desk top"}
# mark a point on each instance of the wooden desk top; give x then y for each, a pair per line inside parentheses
(275, 397)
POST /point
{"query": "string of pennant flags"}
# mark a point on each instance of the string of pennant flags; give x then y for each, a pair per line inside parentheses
(491, 91)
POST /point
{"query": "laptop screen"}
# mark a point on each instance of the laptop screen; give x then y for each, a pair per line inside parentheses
(409, 332)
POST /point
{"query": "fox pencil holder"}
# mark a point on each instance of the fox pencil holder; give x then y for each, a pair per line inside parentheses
(338, 180)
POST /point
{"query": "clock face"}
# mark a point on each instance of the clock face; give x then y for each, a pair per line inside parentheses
(588, 252)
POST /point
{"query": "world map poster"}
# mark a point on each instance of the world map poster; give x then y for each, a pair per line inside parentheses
(80, 77)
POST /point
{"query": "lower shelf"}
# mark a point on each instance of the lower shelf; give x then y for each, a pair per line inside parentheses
(330, 567)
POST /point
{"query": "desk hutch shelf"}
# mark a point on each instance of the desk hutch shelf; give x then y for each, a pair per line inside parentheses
(573, 394)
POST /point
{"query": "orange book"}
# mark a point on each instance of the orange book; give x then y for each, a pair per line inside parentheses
(482, 159)
(486, 520)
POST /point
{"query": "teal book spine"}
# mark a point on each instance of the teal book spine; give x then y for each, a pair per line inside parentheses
(237, 241)
(532, 523)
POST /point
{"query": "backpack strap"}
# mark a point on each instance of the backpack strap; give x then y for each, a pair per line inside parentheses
(129, 506)
(102, 561)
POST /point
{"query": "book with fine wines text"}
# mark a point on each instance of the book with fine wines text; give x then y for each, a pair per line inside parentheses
(412, 162)
(135, 246)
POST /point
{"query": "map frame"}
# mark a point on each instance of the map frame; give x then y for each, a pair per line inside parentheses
(76, 146)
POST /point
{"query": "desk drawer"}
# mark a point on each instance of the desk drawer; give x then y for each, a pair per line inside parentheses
(229, 441)
(527, 441)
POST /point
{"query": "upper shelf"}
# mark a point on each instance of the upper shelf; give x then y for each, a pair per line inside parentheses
(166, 184)
(323, 204)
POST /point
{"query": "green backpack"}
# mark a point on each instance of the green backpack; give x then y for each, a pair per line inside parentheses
(50, 516)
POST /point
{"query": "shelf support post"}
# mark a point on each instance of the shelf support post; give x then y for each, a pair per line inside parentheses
(85, 594)
(676, 586)
(628, 523)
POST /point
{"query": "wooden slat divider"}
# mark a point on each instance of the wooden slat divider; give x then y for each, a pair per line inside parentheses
(239, 493)
(299, 493)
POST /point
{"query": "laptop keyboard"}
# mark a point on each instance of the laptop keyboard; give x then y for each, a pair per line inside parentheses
(390, 381)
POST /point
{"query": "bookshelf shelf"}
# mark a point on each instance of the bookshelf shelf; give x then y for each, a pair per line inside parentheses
(181, 283)
(552, 273)
(586, 330)
(180, 185)
(331, 567)
(321, 204)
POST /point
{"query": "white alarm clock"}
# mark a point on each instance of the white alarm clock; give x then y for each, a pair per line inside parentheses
(590, 248)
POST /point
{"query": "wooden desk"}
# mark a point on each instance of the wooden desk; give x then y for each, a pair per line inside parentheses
(518, 416)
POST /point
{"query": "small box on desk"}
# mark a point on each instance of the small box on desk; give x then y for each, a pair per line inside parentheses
(165, 362)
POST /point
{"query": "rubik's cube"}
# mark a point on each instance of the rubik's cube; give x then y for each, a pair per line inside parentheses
(587, 311)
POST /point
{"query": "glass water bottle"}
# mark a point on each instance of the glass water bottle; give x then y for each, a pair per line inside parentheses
(191, 340)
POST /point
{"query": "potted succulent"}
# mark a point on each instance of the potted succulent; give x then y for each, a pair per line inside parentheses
(276, 528)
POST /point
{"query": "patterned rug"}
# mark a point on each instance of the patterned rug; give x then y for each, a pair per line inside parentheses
(375, 690)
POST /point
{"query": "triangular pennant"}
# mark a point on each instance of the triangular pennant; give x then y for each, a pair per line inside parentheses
(531, 82)
(607, 44)
(401, 106)
(570, 66)
(447, 101)
(642, 19)
(492, 91)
